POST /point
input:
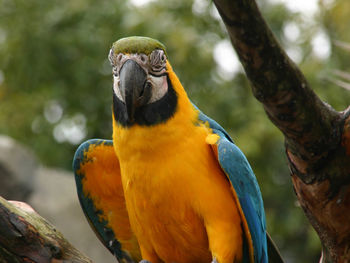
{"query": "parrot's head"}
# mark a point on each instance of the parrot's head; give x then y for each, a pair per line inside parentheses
(143, 91)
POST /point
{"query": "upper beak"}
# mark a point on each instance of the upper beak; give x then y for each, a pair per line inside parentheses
(134, 88)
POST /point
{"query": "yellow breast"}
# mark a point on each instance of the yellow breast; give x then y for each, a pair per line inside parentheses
(168, 172)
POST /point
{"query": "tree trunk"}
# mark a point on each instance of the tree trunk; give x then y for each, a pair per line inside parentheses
(27, 237)
(317, 138)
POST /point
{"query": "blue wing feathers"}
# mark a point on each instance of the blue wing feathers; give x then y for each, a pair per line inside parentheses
(243, 180)
(104, 233)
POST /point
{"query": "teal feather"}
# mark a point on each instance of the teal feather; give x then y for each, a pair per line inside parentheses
(104, 233)
(244, 182)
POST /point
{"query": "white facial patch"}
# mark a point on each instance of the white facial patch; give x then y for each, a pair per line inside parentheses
(159, 87)
(154, 65)
(116, 89)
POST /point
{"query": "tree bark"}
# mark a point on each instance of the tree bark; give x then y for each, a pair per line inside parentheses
(317, 138)
(27, 237)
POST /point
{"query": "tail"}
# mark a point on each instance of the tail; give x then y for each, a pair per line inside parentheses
(272, 250)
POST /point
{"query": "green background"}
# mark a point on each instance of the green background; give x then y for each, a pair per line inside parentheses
(55, 82)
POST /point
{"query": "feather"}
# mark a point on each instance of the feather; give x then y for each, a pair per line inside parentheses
(100, 193)
(245, 186)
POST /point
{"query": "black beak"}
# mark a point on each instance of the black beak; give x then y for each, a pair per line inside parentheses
(134, 88)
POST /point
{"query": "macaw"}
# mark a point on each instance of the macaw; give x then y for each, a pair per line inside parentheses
(171, 186)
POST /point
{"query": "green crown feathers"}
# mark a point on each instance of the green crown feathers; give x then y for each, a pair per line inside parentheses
(137, 45)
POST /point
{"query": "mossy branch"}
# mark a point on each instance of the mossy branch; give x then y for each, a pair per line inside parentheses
(27, 237)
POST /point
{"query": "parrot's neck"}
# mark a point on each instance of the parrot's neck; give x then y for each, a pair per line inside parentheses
(152, 141)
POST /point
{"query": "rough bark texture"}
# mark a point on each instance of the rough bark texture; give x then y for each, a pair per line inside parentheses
(317, 138)
(27, 237)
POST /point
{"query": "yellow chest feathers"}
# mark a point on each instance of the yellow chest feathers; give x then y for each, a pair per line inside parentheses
(168, 185)
(165, 153)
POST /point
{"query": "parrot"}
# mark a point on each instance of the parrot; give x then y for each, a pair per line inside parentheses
(170, 186)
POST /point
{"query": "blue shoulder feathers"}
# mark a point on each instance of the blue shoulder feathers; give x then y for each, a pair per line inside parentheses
(243, 181)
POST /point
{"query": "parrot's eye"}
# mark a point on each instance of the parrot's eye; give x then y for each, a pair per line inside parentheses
(158, 62)
(116, 61)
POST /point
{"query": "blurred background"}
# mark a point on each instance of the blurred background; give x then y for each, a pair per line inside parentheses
(56, 86)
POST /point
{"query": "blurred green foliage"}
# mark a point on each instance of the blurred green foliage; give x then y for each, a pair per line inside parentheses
(55, 82)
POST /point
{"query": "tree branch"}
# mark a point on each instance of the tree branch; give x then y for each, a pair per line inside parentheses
(317, 138)
(311, 127)
(27, 237)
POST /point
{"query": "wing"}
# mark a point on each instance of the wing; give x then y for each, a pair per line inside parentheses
(246, 190)
(99, 187)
